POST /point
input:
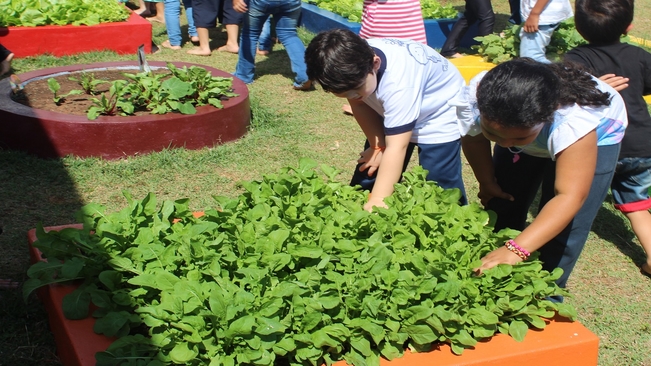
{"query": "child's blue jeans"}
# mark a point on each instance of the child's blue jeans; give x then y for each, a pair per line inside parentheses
(172, 21)
(534, 45)
(631, 184)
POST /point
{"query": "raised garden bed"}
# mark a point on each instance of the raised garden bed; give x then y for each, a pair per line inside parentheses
(61, 40)
(317, 20)
(560, 343)
(50, 134)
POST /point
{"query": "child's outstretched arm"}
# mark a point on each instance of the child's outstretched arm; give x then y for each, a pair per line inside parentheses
(575, 168)
(392, 162)
(477, 150)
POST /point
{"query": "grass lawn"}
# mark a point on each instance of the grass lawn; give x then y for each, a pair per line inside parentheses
(611, 297)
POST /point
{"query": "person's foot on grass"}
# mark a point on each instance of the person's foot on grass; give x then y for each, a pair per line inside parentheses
(229, 48)
(262, 52)
(167, 44)
(347, 109)
(5, 66)
(198, 51)
(305, 86)
(156, 19)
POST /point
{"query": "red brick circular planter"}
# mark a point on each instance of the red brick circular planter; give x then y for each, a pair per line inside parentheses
(50, 134)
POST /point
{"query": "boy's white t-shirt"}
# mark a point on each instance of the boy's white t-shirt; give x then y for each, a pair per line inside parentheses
(570, 123)
(554, 12)
(414, 86)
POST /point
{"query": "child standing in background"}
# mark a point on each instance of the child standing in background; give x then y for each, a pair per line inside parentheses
(602, 23)
(477, 11)
(541, 18)
(551, 124)
(173, 25)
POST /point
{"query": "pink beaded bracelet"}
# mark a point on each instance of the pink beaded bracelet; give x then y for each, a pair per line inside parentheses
(515, 248)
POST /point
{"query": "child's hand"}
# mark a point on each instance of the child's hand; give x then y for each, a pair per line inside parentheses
(500, 255)
(619, 83)
(370, 159)
(488, 191)
(374, 202)
(531, 25)
(240, 6)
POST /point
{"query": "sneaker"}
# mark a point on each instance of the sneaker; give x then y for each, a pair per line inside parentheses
(306, 86)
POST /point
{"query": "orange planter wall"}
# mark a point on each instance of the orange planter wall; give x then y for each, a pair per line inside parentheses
(62, 40)
(560, 343)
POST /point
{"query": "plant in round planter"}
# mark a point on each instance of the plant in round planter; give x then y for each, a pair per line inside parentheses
(49, 133)
(180, 90)
(294, 269)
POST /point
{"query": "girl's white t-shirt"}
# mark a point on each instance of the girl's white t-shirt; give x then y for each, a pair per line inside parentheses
(415, 84)
(569, 125)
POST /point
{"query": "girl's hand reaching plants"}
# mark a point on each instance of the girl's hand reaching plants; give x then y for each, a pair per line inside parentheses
(500, 255)
(374, 202)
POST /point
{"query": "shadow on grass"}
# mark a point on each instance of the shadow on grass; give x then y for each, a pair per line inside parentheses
(32, 191)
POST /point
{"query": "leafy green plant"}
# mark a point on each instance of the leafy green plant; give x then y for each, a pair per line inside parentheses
(352, 9)
(293, 268)
(504, 46)
(54, 87)
(32, 13)
(108, 106)
(88, 82)
(180, 90)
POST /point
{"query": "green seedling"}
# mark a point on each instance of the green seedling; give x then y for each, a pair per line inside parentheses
(88, 82)
(107, 106)
(55, 87)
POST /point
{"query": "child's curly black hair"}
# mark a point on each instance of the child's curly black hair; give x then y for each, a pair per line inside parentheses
(523, 93)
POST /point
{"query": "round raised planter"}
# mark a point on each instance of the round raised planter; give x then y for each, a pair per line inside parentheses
(50, 134)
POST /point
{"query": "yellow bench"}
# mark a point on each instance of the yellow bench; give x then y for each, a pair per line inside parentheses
(471, 65)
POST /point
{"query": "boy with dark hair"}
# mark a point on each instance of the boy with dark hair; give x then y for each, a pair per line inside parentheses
(398, 90)
(602, 23)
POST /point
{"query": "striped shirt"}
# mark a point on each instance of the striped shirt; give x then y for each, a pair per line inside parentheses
(393, 19)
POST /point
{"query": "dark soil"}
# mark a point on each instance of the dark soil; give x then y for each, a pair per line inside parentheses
(37, 94)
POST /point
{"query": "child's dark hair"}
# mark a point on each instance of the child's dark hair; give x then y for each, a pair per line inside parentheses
(339, 60)
(523, 93)
(602, 22)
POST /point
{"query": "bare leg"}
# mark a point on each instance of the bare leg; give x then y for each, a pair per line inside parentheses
(143, 8)
(232, 45)
(204, 43)
(160, 13)
(641, 223)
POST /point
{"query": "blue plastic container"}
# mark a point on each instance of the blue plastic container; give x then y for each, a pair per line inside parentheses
(317, 20)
